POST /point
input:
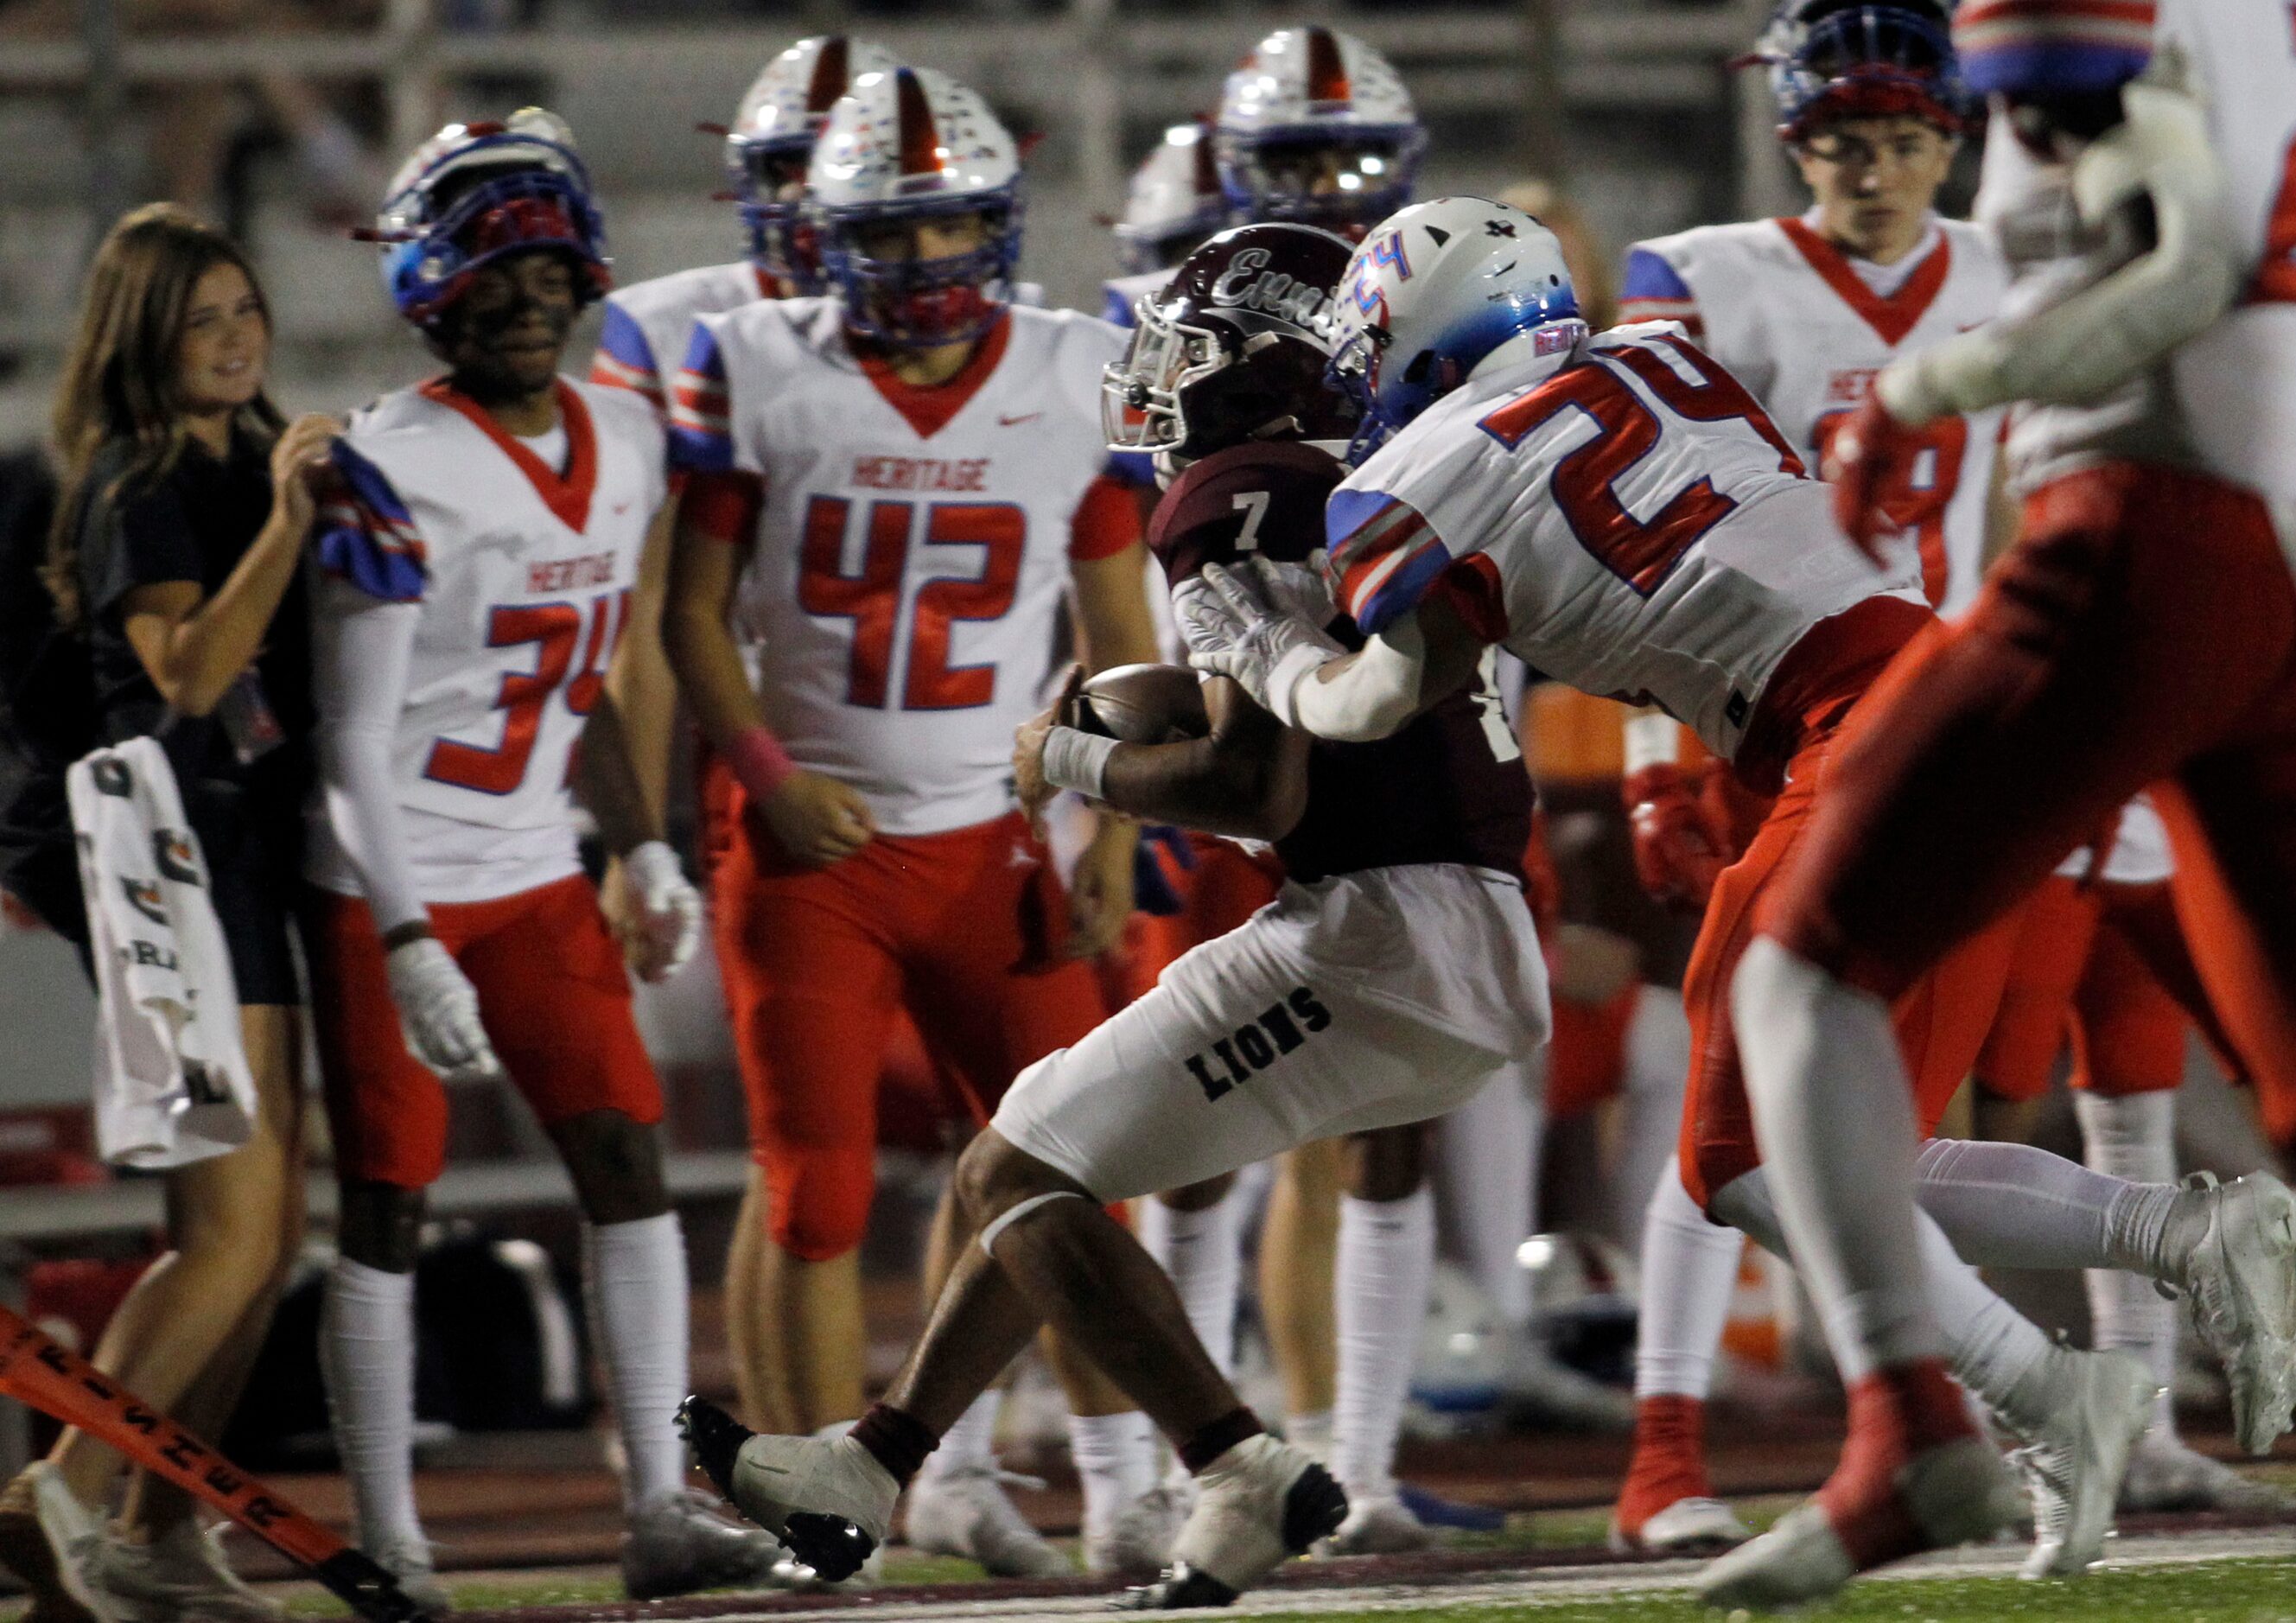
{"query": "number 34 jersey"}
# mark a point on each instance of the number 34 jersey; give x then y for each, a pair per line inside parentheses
(911, 546)
(1633, 525)
(523, 571)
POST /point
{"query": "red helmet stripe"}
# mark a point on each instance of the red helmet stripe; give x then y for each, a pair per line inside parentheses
(920, 146)
(1327, 71)
(831, 70)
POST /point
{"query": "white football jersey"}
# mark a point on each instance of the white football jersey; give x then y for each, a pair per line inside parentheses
(2225, 403)
(524, 575)
(1805, 328)
(642, 338)
(913, 549)
(1647, 533)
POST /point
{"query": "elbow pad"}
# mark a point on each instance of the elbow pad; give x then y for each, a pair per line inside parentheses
(1374, 696)
(2096, 340)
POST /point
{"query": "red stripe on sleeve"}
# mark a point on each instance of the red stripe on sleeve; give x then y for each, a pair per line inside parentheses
(722, 506)
(1106, 522)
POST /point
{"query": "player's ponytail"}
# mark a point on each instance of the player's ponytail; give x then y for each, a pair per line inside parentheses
(118, 381)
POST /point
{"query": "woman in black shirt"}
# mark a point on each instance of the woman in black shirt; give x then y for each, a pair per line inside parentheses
(176, 552)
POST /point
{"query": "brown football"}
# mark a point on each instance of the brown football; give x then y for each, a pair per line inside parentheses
(1145, 704)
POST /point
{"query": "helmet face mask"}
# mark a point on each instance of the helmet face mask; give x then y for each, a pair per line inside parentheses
(1233, 350)
(911, 301)
(782, 243)
(476, 193)
(1343, 181)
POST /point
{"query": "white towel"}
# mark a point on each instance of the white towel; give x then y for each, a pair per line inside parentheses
(172, 1085)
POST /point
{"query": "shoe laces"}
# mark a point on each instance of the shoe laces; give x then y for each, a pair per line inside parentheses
(2048, 1477)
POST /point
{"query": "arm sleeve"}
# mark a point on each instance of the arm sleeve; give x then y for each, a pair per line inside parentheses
(700, 407)
(366, 536)
(1106, 520)
(142, 540)
(1655, 291)
(1385, 554)
(624, 359)
(361, 651)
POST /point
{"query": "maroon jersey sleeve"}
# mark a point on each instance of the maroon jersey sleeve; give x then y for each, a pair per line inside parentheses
(1265, 499)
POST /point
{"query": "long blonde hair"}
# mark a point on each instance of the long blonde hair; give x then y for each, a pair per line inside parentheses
(119, 380)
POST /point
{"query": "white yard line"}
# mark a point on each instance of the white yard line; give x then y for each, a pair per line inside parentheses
(1549, 1585)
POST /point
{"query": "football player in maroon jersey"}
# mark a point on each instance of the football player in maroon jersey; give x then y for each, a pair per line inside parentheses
(1364, 998)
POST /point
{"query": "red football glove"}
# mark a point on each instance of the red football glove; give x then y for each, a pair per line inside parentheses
(1869, 455)
(1680, 845)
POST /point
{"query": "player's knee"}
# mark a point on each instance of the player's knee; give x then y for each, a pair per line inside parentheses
(995, 1174)
(615, 1161)
(380, 1225)
(818, 1208)
(1388, 1164)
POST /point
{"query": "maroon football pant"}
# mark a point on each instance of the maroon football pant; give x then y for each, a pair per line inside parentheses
(2141, 633)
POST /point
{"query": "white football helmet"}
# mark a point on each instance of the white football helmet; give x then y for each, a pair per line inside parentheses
(1436, 293)
(902, 146)
(1315, 125)
(1174, 202)
(771, 141)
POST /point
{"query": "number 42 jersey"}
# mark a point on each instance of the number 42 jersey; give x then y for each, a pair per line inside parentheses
(912, 546)
(1633, 525)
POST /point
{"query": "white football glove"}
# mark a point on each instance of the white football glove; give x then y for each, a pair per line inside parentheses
(1260, 625)
(668, 909)
(439, 1011)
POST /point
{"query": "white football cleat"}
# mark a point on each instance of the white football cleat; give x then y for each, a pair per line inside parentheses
(1378, 1524)
(179, 1574)
(2167, 1474)
(679, 1543)
(52, 1542)
(965, 1513)
(1138, 1543)
(1952, 1494)
(412, 1565)
(2241, 1278)
(2075, 1456)
(826, 1498)
(1695, 1526)
(1257, 1506)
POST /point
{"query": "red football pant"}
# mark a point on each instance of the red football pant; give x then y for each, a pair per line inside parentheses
(1941, 1018)
(2083, 971)
(2143, 633)
(552, 992)
(955, 927)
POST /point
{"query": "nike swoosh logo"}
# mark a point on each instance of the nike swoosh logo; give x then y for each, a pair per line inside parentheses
(621, 506)
(1007, 422)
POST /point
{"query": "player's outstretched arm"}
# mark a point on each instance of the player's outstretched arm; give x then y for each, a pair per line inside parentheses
(1399, 675)
(2157, 175)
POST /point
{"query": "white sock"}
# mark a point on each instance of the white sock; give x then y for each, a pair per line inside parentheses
(1312, 1432)
(968, 1445)
(1488, 1168)
(1834, 1114)
(2013, 1206)
(1380, 1282)
(1204, 1252)
(366, 1347)
(636, 1282)
(1650, 1109)
(1116, 1462)
(1990, 1345)
(1690, 1272)
(2134, 1138)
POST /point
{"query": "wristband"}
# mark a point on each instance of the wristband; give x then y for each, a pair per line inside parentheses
(1284, 677)
(1078, 760)
(1651, 741)
(758, 762)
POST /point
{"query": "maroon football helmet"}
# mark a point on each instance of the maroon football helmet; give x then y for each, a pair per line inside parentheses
(1233, 348)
